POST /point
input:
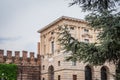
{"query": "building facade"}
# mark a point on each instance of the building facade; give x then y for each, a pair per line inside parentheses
(53, 64)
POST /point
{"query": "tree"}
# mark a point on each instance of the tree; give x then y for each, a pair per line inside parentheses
(105, 17)
(96, 5)
(8, 72)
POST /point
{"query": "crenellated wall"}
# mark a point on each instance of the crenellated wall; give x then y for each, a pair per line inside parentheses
(24, 60)
(28, 67)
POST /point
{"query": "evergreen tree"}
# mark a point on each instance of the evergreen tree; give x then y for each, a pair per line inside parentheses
(96, 5)
(104, 17)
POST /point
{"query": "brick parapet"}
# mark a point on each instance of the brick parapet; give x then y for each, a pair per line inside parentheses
(24, 60)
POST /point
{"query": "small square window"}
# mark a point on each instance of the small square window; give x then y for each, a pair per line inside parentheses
(86, 40)
(52, 32)
(86, 30)
(59, 28)
(71, 28)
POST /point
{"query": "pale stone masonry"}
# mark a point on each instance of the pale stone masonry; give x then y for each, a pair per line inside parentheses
(53, 64)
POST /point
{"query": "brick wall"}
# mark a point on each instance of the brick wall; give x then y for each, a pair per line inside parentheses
(28, 67)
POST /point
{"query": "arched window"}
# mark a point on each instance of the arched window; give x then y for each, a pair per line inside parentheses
(88, 73)
(103, 73)
(51, 73)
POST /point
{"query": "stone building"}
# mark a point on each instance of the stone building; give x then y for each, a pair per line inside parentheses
(53, 64)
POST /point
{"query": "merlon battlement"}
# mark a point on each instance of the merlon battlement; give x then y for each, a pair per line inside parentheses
(24, 60)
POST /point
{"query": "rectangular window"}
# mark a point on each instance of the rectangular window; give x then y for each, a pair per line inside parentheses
(86, 40)
(43, 67)
(52, 47)
(71, 28)
(86, 30)
(44, 49)
(74, 77)
(59, 77)
(73, 63)
(52, 32)
(44, 36)
(58, 63)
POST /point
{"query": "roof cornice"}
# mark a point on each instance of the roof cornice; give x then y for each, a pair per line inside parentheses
(59, 19)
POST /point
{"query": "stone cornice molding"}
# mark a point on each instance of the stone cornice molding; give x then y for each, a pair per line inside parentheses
(59, 19)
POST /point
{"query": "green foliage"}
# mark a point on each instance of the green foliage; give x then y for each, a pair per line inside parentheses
(108, 49)
(106, 19)
(109, 36)
(79, 50)
(8, 71)
(96, 5)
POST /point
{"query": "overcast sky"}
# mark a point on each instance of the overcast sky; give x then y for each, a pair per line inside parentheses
(21, 19)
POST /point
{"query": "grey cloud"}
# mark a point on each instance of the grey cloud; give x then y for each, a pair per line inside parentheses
(9, 39)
